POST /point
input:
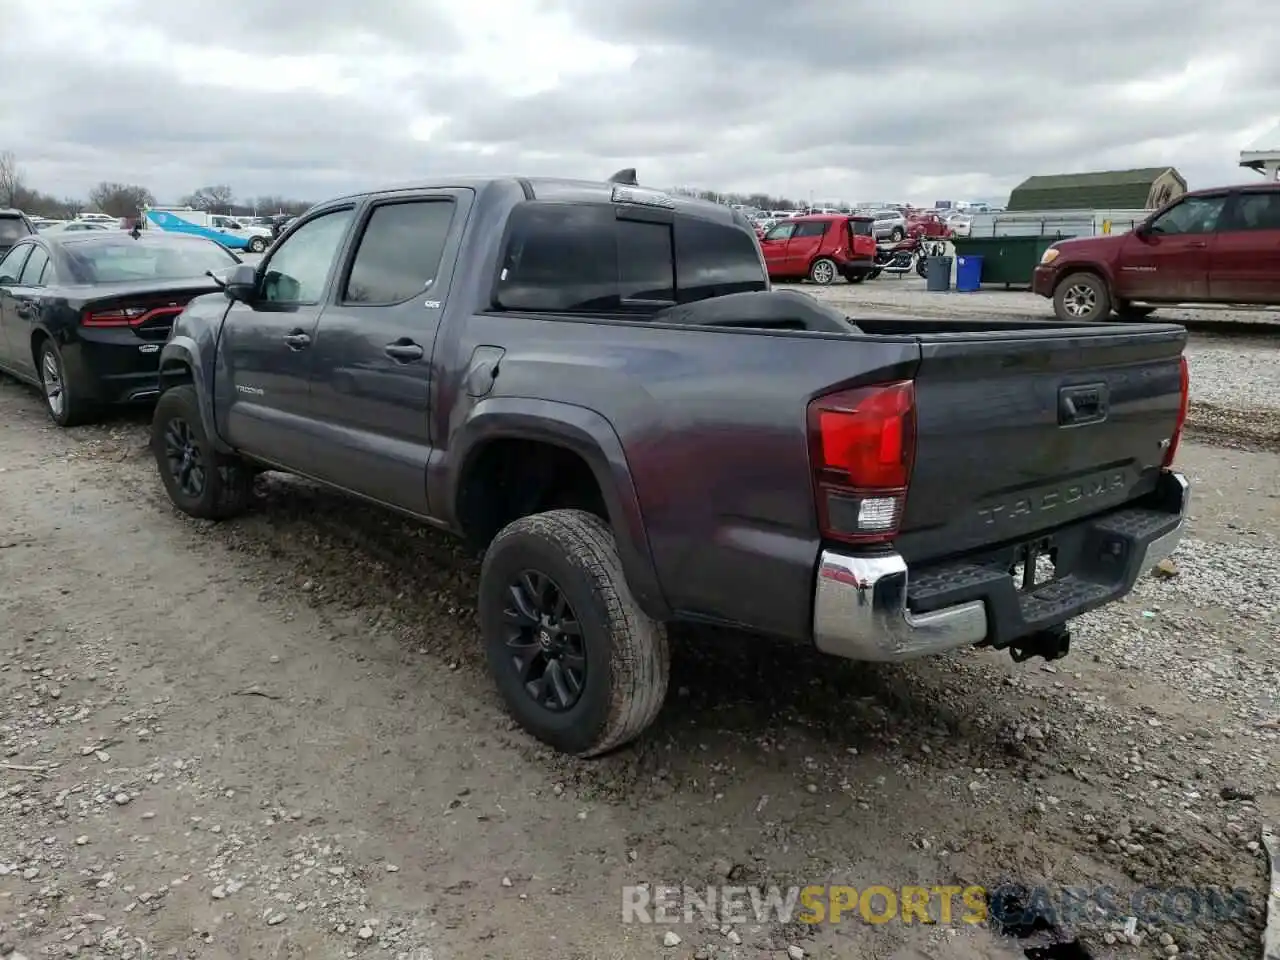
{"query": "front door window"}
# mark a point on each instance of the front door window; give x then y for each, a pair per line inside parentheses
(299, 268)
(1192, 216)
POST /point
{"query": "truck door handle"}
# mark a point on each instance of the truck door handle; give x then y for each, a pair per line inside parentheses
(1198, 244)
(298, 340)
(404, 350)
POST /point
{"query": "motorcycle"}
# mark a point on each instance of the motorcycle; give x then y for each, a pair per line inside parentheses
(906, 255)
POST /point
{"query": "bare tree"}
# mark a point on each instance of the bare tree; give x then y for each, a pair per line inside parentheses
(120, 199)
(10, 179)
(218, 197)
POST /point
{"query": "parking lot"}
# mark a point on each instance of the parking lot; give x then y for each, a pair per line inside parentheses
(276, 737)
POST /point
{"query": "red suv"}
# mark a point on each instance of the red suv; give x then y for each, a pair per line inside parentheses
(820, 247)
(1210, 246)
(928, 225)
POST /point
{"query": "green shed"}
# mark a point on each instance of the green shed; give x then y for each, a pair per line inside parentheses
(1147, 188)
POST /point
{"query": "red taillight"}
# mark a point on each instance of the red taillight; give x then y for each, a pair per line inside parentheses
(1183, 405)
(862, 446)
(126, 316)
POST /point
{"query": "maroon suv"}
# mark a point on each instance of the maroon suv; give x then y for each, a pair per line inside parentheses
(1210, 246)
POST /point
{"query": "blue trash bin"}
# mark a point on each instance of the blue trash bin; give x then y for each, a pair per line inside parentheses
(968, 274)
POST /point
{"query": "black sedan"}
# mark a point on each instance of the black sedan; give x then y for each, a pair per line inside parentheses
(83, 315)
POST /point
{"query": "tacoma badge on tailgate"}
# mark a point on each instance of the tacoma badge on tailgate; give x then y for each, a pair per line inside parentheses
(1044, 500)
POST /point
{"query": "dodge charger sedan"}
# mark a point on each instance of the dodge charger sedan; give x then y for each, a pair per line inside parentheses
(83, 315)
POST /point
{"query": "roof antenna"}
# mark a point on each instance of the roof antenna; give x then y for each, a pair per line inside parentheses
(626, 177)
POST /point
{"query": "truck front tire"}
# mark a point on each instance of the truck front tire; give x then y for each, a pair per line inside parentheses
(1081, 298)
(201, 482)
(580, 666)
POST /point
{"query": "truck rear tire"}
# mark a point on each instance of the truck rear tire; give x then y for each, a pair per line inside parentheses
(201, 482)
(580, 666)
(1081, 298)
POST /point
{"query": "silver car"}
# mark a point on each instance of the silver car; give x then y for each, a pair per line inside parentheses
(890, 225)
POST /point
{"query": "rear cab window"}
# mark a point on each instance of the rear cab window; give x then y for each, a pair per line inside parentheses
(589, 258)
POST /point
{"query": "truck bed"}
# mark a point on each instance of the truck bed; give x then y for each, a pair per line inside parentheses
(1022, 428)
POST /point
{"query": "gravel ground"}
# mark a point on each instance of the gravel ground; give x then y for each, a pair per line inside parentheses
(1235, 381)
(276, 738)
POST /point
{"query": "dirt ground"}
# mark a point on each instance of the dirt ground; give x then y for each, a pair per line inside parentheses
(276, 738)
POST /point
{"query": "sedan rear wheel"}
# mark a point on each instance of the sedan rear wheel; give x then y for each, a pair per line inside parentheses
(823, 271)
(64, 391)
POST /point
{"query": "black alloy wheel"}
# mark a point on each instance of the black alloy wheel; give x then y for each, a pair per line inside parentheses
(184, 458)
(544, 642)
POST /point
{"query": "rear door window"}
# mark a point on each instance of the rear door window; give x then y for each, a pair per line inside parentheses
(400, 252)
(1257, 211)
(811, 228)
(34, 268)
(11, 265)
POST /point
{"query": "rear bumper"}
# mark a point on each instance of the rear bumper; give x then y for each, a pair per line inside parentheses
(118, 366)
(867, 607)
(857, 264)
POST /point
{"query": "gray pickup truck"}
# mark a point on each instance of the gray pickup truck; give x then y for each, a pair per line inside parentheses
(595, 383)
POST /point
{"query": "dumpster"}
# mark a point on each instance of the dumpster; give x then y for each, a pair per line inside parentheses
(968, 273)
(1007, 260)
(938, 274)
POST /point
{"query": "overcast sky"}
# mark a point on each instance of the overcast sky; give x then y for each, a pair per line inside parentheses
(914, 101)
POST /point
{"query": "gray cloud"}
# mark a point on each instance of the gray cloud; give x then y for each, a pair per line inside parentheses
(297, 26)
(847, 101)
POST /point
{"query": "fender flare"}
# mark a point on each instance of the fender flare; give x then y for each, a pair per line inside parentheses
(184, 350)
(581, 431)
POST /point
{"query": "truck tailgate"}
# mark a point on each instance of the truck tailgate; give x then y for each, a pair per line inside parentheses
(1019, 432)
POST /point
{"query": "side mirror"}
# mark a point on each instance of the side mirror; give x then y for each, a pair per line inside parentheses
(242, 284)
(1143, 230)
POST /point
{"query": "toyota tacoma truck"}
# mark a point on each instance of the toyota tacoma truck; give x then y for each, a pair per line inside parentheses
(595, 384)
